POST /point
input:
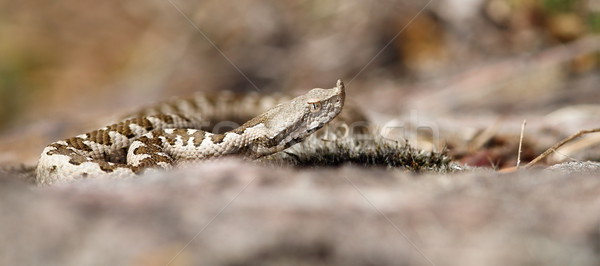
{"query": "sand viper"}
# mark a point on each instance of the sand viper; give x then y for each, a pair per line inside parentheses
(163, 136)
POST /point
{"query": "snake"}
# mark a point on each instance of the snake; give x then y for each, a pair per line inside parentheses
(160, 138)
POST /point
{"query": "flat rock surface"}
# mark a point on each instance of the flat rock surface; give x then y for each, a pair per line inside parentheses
(235, 213)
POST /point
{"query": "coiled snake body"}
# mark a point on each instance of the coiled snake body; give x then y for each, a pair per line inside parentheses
(162, 139)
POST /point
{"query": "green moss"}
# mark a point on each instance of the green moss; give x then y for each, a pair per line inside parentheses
(559, 6)
(594, 22)
(18, 81)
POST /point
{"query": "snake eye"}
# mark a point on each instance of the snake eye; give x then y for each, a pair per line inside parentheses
(314, 106)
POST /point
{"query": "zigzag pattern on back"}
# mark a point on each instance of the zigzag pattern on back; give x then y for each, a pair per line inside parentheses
(212, 109)
(161, 136)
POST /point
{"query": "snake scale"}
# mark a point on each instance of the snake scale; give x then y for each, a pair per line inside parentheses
(162, 137)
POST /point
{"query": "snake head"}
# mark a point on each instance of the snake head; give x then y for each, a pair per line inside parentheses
(291, 122)
(321, 106)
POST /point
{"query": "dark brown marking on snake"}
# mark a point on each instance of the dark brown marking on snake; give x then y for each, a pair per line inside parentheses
(151, 145)
(171, 138)
(101, 136)
(198, 137)
(142, 150)
(123, 128)
(149, 162)
(58, 148)
(76, 158)
(165, 118)
(217, 138)
(155, 158)
(145, 123)
(185, 137)
(77, 143)
(106, 166)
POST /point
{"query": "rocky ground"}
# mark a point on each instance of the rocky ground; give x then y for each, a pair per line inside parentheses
(234, 213)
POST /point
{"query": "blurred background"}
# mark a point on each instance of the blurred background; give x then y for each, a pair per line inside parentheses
(466, 72)
(65, 64)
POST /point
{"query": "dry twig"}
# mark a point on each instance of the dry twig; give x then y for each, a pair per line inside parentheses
(558, 145)
(521, 143)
